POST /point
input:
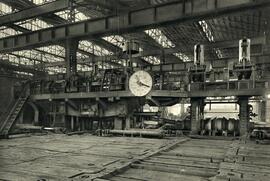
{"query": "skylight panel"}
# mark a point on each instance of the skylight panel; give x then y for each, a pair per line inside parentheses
(94, 49)
(83, 68)
(182, 57)
(78, 15)
(33, 24)
(115, 39)
(152, 59)
(55, 70)
(54, 49)
(39, 2)
(209, 35)
(23, 73)
(160, 38)
(5, 9)
(4, 32)
(218, 52)
(207, 30)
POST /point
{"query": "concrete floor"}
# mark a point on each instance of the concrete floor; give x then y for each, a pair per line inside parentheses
(87, 157)
(59, 157)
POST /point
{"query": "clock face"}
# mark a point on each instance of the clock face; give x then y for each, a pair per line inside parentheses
(140, 83)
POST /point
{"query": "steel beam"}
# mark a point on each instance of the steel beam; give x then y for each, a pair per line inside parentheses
(160, 15)
(216, 64)
(229, 44)
(24, 30)
(21, 68)
(153, 93)
(51, 19)
(94, 95)
(33, 12)
(219, 93)
(184, 66)
(112, 5)
(45, 10)
(154, 101)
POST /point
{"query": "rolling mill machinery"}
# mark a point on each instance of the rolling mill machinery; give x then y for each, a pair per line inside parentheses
(117, 112)
(202, 80)
(92, 112)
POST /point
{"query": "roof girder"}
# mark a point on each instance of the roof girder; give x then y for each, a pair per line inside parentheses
(133, 21)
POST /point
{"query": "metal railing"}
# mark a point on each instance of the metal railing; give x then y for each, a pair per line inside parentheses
(5, 114)
(13, 105)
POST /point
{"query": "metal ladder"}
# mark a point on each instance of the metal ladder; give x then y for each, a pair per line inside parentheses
(11, 116)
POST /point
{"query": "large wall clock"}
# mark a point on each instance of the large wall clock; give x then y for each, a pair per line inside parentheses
(140, 83)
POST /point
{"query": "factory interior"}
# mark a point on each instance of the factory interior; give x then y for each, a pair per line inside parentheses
(135, 90)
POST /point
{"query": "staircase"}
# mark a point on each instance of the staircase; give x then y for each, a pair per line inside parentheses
(10, 117)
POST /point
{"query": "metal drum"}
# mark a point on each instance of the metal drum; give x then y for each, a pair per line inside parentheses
(218, 124)
(231, 125)
(207, 124)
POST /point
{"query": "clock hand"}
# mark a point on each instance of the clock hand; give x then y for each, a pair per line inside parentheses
(146, 85)
(143, 84)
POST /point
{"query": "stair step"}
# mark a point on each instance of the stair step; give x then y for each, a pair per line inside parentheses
(13, 115)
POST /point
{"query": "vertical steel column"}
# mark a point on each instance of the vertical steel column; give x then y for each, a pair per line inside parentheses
(197, 114)
(267, 110)
(162, 73)
(72, 123)
(118, 123)
(36, 111)
(262, 111)
(71, 57)
(243, 115)
(128, 122)
(182, 104)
